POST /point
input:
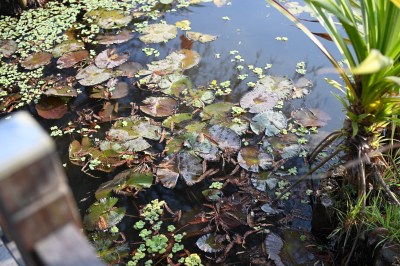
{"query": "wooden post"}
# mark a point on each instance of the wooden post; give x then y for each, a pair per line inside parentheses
(36, 204)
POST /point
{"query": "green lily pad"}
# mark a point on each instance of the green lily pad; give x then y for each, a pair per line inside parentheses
(126, 180)
(120, 37)
(8, 47)
(92, 75)
(109, 247)
(64, 91)
(270, 122)
(72, 58)
(251, 158)
(216, 110)
(37, 60)
(110, 59)
(226, 138)
(156, 33)
(66, 47)
(176, 119)
(159, 106)
(201, 37)
(109, 19)
(103, 214)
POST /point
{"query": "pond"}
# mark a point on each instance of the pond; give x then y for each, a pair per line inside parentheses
(209, 124)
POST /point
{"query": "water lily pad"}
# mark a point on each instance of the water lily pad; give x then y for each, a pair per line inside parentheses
(201, 37)
(183, 24)
(109, 19)
(269, 210)
(270, 122)
(156, 33)
(181, 164)
(220, 3)
(210, 243)
(263, 180)
(51, 108)
(259, 100)
(201, 146)
(173, 84)
(7, 47)
(166, 2)
(66, 47)
(128, 69)
(191, 58)
(176, 119)
(311, 117)
(92, 75)
(281, 86)
(226, 138)
(216, 110)
(120, 37)
(251, 158)
(65, 91)
(103, 215)
(109, 59)
(159, 106)
(273, 245)
(72, 58)
(37, 60)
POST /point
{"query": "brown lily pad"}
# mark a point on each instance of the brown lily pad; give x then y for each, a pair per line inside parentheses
(37, 60)
(92, 75)
(51, 108)
(159, 106)
(128, 69)
(311, 117)
(72, 58)
(67, 47)
(121, 37)
(8, 47)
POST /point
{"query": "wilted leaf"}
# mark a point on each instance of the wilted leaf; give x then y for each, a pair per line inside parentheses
(37, 60)
(51, 108)
(159, 106)
(121, 37)
(156, 33)
(109, 59)
(201, 37)
(7, 47)
(191, 58)
(259, 100)
(72, 58)
(210, 243)
(311, 117)
(128, 69)
(92, 75)
(103, 215)
(66, 47)
(65, 91)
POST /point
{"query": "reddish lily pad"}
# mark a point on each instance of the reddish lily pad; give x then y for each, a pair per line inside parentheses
(37, 60)
(51, 108)
(109, 59)
(191, 58)
(7, 47)
(72, 58)
(121, 37)
(159, 106)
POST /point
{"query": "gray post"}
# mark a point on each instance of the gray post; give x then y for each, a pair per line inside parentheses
(36, 205)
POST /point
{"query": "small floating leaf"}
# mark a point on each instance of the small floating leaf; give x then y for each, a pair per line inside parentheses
(156, 33)
(201, 37)
(226, 138)
(72, 58)
(121, 37)
(51, 108)
(65, 91)
(7, 47)
(128, 69)
(109, 19)
(210, 243)
(191, 58)
(109, 59)
(159, 106)
(183, 24)
(250, 158)
(103, 215)
(37, 60)
(66, 47)
(92, 75)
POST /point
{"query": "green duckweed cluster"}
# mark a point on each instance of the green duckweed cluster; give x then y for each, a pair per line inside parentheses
(156, 237)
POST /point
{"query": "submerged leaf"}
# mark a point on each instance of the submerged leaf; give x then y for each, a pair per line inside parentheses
(156, 33)
(274, 245)
(121, 37)
(37, 60)
(270, 122)
(66, 47)
(128, 69)
(310, 117)
(226, 138)
(109, 19)
(51, 108)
